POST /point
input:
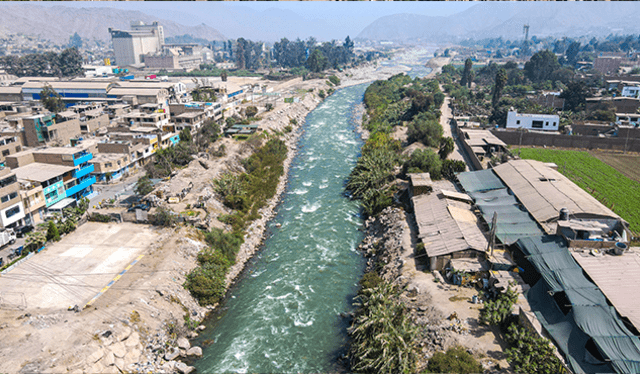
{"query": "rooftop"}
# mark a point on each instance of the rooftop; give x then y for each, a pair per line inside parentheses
(544, 191)
(446, 226)
(40, 172)
(618, 277)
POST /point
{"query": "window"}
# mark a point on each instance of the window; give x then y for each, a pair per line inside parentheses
(8, 181)
(536, 124)
(6, 152)
(107, 165)
(13, 211)
(554, 124)
(546, 124)
(517, 122)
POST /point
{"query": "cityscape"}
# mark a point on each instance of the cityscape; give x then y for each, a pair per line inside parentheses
(304, 187)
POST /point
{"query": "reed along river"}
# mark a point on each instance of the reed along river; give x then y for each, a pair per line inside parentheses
(284, 315)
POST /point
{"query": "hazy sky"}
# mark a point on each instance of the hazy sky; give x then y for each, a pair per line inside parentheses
(336, 18)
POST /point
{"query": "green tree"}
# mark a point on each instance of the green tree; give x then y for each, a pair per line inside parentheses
(424, 161)
(572, 53)
(316, 62)
(51, 100)
(71, 62)
(425, 129)
(251, 111)
(575, 96)
(223, 75)
(75, 41)
(466, 73)
(52, 232)
(498, 87)
(541, 66)
(446, 147)
(185, 135)
(144, 186)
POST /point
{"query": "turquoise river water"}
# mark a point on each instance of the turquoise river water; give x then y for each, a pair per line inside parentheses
(284, 312)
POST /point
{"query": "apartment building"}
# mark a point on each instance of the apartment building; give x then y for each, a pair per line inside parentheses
(11, 208)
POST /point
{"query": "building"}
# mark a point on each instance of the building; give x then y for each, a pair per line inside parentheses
(109, 167)
(545, 122)
(51, 178)
(78, 158)
(630, 91)
(11, 208)
(50, 128)
(9, 145)
(621, 104)
(550, 100)
(32, 195)
(607, 65)
(70, 91)
(447, 228)
(156, 120)
(130, 46)
(176, 57)
(480, 146)
(11, 93)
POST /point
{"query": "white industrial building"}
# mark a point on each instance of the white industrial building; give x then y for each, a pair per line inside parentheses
(545, 122)
(130, 46)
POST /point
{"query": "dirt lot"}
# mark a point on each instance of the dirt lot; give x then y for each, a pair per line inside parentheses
(72, 271)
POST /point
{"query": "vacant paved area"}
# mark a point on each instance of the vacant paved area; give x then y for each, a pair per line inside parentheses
(74, 270)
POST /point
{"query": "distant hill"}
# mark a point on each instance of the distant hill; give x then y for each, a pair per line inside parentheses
(506, 19)
(58, 23)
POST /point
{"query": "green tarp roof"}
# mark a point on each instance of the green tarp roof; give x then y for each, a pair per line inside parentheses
(590, 314)
(482, 180)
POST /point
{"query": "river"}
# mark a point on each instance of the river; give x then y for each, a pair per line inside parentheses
(284, 312)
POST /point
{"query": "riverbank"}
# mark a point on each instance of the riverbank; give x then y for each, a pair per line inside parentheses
(137, 325)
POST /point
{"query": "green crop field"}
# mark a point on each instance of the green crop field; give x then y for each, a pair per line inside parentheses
(609, 186)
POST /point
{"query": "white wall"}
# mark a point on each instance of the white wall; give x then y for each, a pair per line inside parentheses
(545, 122)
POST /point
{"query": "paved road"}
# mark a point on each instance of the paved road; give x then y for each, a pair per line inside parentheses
(109, 191)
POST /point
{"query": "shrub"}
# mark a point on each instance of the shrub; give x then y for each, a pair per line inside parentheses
(97, 217)
(227, 243)
(370, 280)
(321, 94)
(531, 354)
(424, 161)
(455, 360)
(495, 312)
(334, 80)
(144, 186)
(165, 217)
(207, 283)
(251, 111)
(382, 335)
(52, 232)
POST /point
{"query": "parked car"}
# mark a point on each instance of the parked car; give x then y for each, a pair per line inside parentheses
(21, 231)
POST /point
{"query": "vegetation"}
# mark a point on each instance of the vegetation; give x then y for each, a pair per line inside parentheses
(166, 160)
(144, 186)
(602, 181)
(496, 312)
(52, 232)
(382, 334)
(48, 64)
(51, 100)
(530, 353)
(165, 217)
(455, 360)
(207, 282)
(293, 54)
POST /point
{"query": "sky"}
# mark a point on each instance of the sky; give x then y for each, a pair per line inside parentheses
(326, 20)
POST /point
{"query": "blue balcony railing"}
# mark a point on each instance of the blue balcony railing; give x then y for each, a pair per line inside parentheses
(82, 159)
(81, 172)
(80, 186)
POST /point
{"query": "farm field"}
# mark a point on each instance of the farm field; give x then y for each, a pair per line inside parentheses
(611, 187)
(628, 165)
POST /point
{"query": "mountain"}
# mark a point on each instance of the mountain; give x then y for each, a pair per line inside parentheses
(506, 19)
(58, 23)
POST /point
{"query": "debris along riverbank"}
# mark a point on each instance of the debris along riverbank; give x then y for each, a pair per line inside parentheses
(136, 324)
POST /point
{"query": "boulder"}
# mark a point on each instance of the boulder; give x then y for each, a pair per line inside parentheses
(194, 351)
(184, 343)
(95, 356)
(118, 349)
(172, 355)
(125, 333)
(109, 359)
(183, 368)
(134, 339)
(201, 327)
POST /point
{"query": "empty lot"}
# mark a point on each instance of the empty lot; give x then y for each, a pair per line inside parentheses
(73, 270)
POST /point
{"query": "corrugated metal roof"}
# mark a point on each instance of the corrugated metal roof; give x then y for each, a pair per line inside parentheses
(440, 232)
(618, 277)
(544, 191)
